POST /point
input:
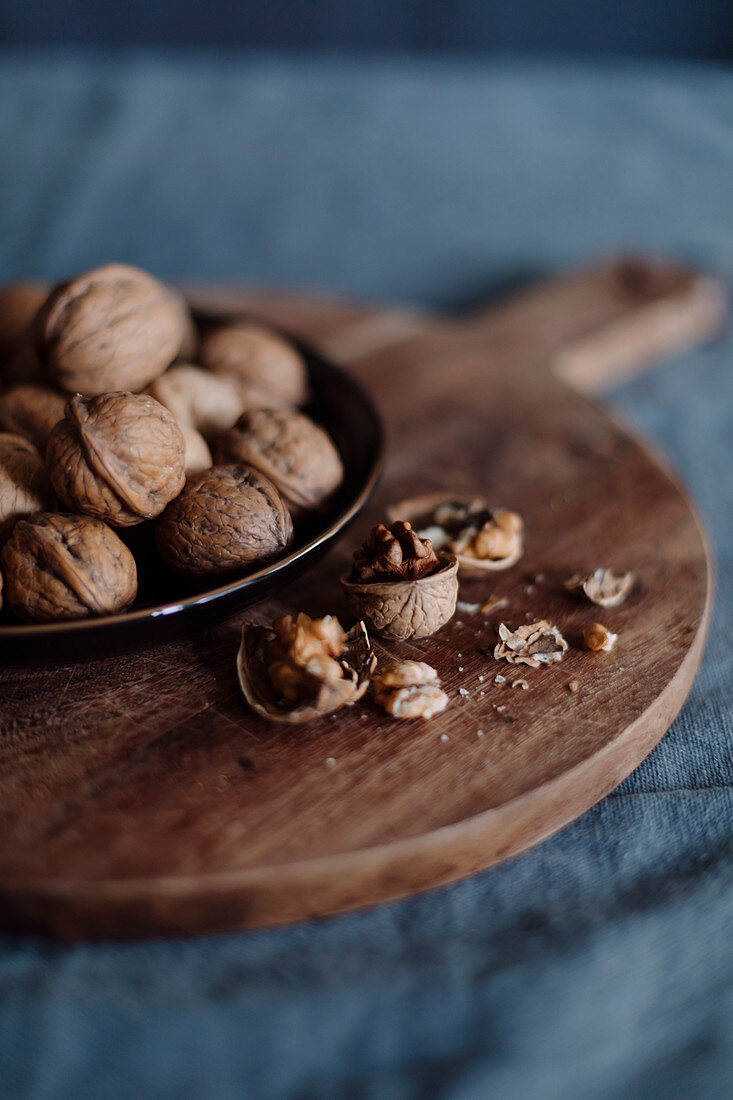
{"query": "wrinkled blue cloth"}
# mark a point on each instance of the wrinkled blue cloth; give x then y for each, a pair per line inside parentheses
(599, 965)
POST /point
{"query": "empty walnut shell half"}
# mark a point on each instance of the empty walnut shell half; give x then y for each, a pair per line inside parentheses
(296, 454)
(33, 411)
(58, 566)
(24, 487)
(119, 456)
(354, 663)
(399, 609)
(482, 539)
(114, 328)
(227, 518)
(269, 370)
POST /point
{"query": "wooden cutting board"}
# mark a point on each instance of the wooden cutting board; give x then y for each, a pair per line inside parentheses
(139, 796)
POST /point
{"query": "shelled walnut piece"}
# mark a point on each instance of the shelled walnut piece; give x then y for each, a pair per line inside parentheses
(602, 586)
(535, 644)
(409, 689)
(118, 456)
(114, 328)
(33, 411)
(399, 585)
(301, 668)
(598, 638)
(59, 567)
(24, 487)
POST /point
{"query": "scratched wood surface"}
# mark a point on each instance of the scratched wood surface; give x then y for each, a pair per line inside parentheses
(139, 796)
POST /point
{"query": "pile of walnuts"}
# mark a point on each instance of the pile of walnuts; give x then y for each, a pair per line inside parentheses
(117, 411)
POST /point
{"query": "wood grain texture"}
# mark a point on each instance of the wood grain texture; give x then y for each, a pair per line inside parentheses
(139, 796)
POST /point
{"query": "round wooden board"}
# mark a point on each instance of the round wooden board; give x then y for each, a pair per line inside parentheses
(139, 796)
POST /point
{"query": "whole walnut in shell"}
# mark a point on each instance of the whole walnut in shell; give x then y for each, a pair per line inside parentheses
(399, 586)
(58, 566)
(33, 411)
(290, 449)
(114, 328)
(269, 369)
(198, 399)
(227, 518)
(119, 456)
(19, 304)
(24, 487)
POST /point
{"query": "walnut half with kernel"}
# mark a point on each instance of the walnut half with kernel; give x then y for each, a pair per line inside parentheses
(483, 539)
(400, 586)
(300, 668)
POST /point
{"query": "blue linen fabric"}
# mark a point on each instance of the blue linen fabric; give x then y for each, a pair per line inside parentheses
(599, 965)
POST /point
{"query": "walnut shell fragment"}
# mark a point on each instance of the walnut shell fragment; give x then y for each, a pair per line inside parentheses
(268, 369)
(535, 644)
(24, 487)
(119, 457)
(289, 448)
(397, 608)
(598, 638)
(300, 669)
(114, 328)
(602, 587)
(227, 518)
(409, 689)
(59, 567)
(33, 411)
(483, 539)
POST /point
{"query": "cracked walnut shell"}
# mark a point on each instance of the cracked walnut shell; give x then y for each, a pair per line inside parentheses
(409, 689)
(401, 600)
(114, 328)
(227, 518)
(602, 587)
(119, 457)
(535, 644)
(296, 454)
(59, 567)
(268, 369)
(24, 486)
(300, 668)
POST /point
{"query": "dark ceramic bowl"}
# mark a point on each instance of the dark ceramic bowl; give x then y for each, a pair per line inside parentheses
(165, 607)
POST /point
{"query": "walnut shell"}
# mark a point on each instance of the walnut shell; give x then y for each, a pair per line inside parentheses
(357, 659)
(288, 448)
(114, 328)
(19, 304)
(24, 487)
(198, 456)
(199, 399)
(398, 610)
(269, 369)
(58, 566)
(119, 457)
(227, 518)
(33, 411)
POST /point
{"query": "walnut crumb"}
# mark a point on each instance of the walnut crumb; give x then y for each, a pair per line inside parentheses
(409, 689)
(573, 686)
(493, 604)
(598, 638)
(520, 684)
(536, 644)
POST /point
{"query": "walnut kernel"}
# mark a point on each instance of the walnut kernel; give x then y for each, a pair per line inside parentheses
(598, 638)
(409, 689)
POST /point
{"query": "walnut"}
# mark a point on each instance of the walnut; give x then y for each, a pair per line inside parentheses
(409, 689)
(270, 372)
(33, 411)
(188, 350)
(118, 456)
(300, 668)
(113, 328)
(410, 596)
(198, 399)
(24, 487)
(66, 567)
(597, 638)
(227, 518)
(534, 644)
(602, 587)
(482, 539)
(19, 304)
(198, 456)
(296, 454)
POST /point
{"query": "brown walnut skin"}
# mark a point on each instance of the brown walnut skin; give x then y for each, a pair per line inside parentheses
(60, 567)
(119, 457)
(227, 518)
(24, 487)
(33, 411)
(19, 305)
(114, 328)
(288, 448)
(269, 369)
